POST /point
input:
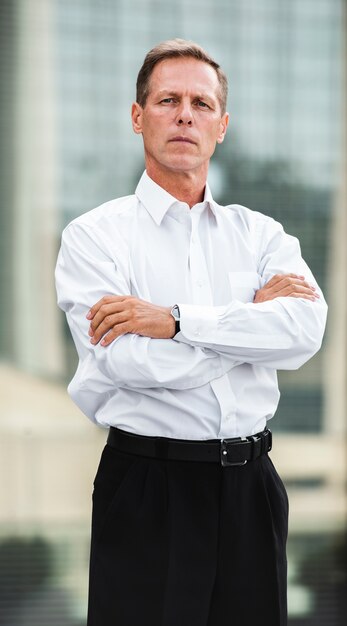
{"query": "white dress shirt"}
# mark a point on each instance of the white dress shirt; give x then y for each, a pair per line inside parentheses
(217, 377)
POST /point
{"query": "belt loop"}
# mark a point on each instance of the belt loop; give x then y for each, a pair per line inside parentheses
(262, 443)
(269, 438)
(255, 446)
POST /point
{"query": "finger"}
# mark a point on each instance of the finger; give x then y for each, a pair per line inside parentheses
(116, 332)
(297, 291)
(105, 300)
(105, 310)
(286, 288)
(277, 278)
(95, 308)
(110, 322)
(288, 282)
(297, 288)
(305, 296)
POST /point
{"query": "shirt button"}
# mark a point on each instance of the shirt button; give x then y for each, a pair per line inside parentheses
(199, 283)
(198, 332)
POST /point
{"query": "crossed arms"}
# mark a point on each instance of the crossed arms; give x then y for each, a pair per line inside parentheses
(130, 340)
(113, 316)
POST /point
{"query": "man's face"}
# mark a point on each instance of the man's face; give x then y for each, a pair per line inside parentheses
(181, 121)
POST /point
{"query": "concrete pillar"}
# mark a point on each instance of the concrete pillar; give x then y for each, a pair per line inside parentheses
(36, 337)
(335, 366)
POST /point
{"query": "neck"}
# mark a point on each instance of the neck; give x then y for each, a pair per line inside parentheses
(187, 187)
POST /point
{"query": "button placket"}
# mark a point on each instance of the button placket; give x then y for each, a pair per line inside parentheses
(201, 289)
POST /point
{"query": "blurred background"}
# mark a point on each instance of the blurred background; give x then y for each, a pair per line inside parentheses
(68, 71)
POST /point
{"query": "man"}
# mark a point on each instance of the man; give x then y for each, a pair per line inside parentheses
(182, 311)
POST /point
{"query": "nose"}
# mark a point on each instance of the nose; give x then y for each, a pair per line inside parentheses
(184, 115)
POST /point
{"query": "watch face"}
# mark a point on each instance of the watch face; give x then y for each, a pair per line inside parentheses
(175, 312)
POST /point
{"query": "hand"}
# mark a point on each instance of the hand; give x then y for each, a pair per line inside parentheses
(113, 316)
(284, 285)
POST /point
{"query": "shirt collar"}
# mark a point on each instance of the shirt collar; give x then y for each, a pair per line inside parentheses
(157, 201)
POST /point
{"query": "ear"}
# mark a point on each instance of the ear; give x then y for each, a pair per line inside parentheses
(223, 125)
(136, 117)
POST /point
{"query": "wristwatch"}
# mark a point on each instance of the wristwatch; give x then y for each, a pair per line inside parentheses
(175, 312)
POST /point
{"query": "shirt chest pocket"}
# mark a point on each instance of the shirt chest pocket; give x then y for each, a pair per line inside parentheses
(243, 285)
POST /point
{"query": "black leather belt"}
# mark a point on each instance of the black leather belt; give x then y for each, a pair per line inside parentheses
(227, 452)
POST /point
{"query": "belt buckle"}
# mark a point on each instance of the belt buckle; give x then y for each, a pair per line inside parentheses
(224, 451)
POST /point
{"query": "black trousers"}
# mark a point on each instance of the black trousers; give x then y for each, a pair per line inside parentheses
(177, 543)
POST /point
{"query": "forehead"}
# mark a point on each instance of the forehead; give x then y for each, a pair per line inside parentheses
(184, 74)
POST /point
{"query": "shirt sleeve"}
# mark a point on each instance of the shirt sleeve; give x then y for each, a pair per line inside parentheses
(282, 333)
(84, 274)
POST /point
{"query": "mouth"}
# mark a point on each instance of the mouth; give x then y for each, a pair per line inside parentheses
(182, 140)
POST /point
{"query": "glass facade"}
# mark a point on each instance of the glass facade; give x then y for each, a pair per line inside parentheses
(68, 70)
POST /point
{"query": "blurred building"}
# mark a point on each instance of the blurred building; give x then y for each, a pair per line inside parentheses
(68, 70)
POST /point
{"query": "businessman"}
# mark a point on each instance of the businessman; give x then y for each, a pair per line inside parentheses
(182, 311)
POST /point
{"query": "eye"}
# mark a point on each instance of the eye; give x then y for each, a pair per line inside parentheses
(202, 104)
(166, 100)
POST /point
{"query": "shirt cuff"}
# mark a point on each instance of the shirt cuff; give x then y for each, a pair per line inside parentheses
(198, 321)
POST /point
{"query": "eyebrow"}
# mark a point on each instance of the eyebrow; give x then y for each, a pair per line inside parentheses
(166, 93)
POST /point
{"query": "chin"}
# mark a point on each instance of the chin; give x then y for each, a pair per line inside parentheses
(181, 164)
